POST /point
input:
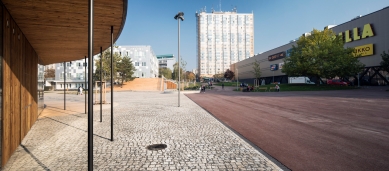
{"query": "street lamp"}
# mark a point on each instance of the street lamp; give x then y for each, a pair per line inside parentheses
(179, 16)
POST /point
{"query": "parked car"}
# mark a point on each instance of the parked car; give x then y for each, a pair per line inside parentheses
(243, 85)
(337, 82)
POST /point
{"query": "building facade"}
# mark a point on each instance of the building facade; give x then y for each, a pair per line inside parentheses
(223, 38)
(166, 61)
(75, 75)
(143, 58)
(367, 34)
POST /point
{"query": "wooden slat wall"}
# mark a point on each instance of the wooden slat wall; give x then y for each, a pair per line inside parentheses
(6, 133)
(33, 89)
(20, 76)
(15, 86)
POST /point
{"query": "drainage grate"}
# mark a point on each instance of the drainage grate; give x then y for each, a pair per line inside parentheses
(156, 147)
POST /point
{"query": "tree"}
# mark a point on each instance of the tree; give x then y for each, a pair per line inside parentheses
(166, 72)
(50, 73)
(190, 76)
(229, 74)
(257, 70)
(322, 54)
(175, 71)
(125, 69)
(107, 65)
(218, 76)
(385, 61)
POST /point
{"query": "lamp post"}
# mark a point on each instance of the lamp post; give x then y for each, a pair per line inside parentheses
(179, 16)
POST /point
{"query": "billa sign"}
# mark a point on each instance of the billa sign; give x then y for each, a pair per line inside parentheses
(357, 34)
(364, 50)
(276, 56)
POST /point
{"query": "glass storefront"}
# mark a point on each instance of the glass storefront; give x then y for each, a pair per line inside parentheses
(41, 88)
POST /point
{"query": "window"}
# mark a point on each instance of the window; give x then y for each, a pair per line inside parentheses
(79, 75)
(136, 63)
(143, 63)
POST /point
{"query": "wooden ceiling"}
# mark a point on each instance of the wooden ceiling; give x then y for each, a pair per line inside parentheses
(58, 29)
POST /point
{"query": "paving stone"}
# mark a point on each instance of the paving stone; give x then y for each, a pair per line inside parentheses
(195, 140)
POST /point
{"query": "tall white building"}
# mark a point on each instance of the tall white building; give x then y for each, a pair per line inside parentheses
(223, 38)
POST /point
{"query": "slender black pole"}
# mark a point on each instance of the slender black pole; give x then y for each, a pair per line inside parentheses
(64, 86)
(90, 86)
(101, 84)
(85, 84)
(112, 83)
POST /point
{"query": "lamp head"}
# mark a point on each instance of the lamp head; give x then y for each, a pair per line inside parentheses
(179, 16)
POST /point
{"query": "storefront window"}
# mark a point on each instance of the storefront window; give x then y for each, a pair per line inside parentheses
(41, 88)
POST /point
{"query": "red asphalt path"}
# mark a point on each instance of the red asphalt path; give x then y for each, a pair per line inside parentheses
(321, 130)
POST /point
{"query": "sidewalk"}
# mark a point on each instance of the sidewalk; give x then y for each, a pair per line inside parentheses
(195, 140)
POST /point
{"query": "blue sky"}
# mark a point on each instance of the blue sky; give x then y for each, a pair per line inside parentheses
(276, 22)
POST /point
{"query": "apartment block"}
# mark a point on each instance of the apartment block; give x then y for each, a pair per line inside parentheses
(223, 38)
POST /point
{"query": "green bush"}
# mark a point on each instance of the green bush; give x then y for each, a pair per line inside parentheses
(196, 87)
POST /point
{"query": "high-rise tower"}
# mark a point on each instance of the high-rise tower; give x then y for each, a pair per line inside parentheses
(223, 38)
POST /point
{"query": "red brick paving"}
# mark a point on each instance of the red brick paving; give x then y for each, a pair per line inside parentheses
(320, 130)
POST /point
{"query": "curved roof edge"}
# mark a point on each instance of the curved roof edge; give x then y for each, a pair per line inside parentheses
(125, 4)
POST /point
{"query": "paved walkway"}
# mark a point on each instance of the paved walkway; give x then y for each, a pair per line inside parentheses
(195, 140)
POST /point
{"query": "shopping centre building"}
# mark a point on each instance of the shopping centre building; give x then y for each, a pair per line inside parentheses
(368, 34)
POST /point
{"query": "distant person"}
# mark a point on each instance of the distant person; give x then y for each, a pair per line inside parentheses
(80, 90)
(277, 88)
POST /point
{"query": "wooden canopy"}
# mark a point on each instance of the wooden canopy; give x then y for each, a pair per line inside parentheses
(58, 29)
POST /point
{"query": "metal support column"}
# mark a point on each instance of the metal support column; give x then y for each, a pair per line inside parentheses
(85, 84)
(101, 84)
(90, 86)
(112, 83)
(64, 85)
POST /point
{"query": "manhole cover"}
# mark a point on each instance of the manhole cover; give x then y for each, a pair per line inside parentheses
(156, 147)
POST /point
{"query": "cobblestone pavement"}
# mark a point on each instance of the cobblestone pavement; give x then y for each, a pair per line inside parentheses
(195, 140)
